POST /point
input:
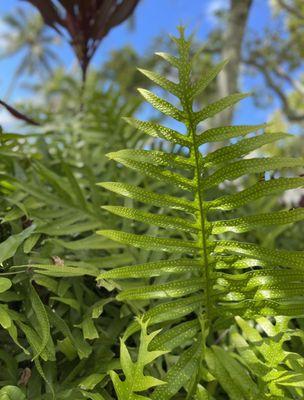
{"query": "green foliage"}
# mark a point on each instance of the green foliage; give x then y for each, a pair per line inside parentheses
(50, 208)
(11, 393)
(203, 271)
(193, 254)
(213, 260)
(275, 368)
(135, 380)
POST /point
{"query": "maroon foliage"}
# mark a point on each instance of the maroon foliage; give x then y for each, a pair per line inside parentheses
(86, 22)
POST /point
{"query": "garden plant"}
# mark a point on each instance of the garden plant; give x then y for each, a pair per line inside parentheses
(148, 258)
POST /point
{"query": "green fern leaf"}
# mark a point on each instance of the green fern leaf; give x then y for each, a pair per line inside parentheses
(231, 375)
(135, 379)
(175, 336)
(266, 357)
(148, 197)
(11, 393)
(42, 319)
(254, 192)
(5, 284)
(226, 132)
(225, 154)
(203, 273)
(179, 374)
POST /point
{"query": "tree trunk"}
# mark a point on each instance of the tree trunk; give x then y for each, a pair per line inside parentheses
(231, 50)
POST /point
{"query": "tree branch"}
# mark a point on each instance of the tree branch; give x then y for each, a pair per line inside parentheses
(292, 10)
(290, 113)
(17, 114)
(231, 50)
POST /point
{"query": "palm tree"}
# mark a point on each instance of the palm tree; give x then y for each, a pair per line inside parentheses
(27, 35)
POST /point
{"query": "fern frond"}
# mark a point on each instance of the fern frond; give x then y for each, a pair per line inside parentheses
(231, 375)
(204, 273)
(262, 349)
(179, 374)
(135, 380)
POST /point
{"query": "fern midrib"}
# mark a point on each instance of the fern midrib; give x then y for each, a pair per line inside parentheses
(202, 237)
(187, 106)
(138, 367)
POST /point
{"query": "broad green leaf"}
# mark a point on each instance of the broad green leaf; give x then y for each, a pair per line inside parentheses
(202, 394)
(83, 349)
(245, 146)
(11, 393)
(91, 395)
(171, 289)
(162, 105)
(254, 192)
(135, 379)
(250, 166)
(71, 302)
(42, 319)
(168, 311)
(159, 131)
(284, 258)
(147, 270)
(5, 284)
(92, 242)
(153, 219)
(5, 320)
(151, 243)
(226, 132)
(162, 81)
(156, 172)
(74, 227)
(176, 336)
(220, 105)
(89, 382)
(232, 377)
(155, 157)
(206, 79)
(34, 341)
(89, 329)
(60, 185)
(145, 196)
(78, 192)
(9, 247)
(179, 374)
(245, 224)
(12, 330)
(63, 271)
(169, 58)
(30, 242)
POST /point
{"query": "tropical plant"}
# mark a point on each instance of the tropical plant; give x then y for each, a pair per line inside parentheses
(135, 380)
(48, 247)
(27, 35)
(214, 299)
(86, 23)
(218, 278)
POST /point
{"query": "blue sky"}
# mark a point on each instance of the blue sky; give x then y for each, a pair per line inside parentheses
(152, 18)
